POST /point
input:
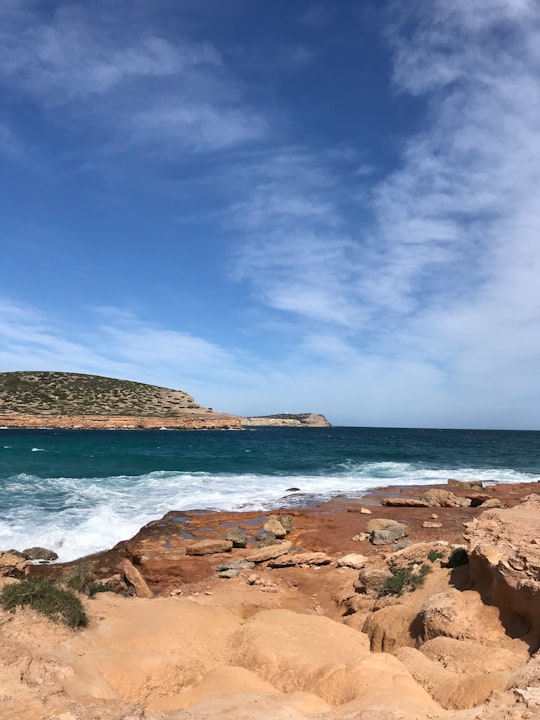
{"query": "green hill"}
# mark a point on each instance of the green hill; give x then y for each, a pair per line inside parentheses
(59, 393)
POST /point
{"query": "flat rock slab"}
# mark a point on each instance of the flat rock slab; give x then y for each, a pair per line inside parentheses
(208, 547)
(306, 558)
(352, 560)
(404, 502)
(270, 552)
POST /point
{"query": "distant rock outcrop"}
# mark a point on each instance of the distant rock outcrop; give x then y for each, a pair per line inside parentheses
(287, 420)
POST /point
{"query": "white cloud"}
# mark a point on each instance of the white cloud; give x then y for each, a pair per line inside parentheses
(94, 69)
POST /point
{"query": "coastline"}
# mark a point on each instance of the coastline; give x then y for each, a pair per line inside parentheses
(243, 639)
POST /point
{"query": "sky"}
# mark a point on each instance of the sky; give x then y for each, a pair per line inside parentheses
(282, 206)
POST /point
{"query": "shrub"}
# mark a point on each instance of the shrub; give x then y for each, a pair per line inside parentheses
(47, 598)
(405, 579)
(435, 555)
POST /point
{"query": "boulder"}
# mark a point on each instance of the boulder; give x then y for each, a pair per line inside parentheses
(238, 537)
(371, 580)
(265, 538)
(492, 503)
(274, 526)
(352, 560)
(208, 547)
(270, 552)
(12, 565)
(134, 578)
(441, 498)
(384, 532)
(39, 553)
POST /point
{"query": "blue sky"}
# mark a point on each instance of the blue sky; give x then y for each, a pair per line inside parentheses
(278, 206)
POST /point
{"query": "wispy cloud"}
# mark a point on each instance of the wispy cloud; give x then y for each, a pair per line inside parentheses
(128, 79)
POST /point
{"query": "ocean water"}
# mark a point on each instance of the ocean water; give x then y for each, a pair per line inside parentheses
(77, 492)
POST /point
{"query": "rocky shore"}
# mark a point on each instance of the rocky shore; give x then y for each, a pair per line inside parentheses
(413, 603)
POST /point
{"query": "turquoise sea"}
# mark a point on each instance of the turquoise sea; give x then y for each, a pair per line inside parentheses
(81, 491)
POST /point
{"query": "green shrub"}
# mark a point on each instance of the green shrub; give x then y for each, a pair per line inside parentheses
(457, 557)
(45, 597)
(98, 587)
(435, 555)
(405, 579)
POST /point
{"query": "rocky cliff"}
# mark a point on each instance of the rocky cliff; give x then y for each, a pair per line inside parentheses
(74, 400)
(78, 401)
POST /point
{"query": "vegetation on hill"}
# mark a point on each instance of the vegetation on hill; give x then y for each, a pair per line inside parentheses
(59, 393)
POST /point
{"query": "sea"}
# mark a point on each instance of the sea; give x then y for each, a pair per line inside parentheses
(80, 491)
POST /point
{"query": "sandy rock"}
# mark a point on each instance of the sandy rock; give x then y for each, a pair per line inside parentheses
(492, 503)
(134, 578)
(414, 554)
(460, 656)
(505, 561)
(365, 511)
(208, 547)
(287, 521)
(361, 537)
(317, 655)
(431, 524)
(452, 691)
(270, 552)
(530, 696)
(352, 560)
(463, 616)
(265, 538)
(12, 565)
(274, 526)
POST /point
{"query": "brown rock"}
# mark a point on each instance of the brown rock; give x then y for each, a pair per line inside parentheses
(441, 498)
(404, 502)
(466, 484)
(208, 547)
(371, 580)
(305, 558)
(274, 526)
(352, 560)
(492, 503)
(134, 577)
(430, 524)
(270, 552)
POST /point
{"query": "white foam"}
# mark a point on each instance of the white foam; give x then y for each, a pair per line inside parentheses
(78, 516)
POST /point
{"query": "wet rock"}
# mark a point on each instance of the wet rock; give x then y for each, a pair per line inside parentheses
(39, 553)
(238, 537)
(208, 547)
(292, 489)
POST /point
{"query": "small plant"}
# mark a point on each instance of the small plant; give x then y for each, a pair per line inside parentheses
(434, 555)
(45, 597)
(405, 579)
(458, 557)
(98, 587)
